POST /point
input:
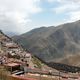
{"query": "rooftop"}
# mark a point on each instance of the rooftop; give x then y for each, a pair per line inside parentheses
(12, 64)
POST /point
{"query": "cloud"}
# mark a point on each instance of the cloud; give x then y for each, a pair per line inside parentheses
(70, 8)
(66, 6)
(74, 16)
(50, 1)
(15, 14)
(64, 1)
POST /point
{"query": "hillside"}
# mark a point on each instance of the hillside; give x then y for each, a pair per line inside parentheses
(16, 53)
(54, 44)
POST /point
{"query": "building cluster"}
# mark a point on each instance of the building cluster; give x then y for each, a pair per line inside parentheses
(12, 52)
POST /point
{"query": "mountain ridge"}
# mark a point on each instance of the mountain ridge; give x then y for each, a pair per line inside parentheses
(53, 43)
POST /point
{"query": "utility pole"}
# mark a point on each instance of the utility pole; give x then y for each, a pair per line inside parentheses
(59, 75)
(40, 67)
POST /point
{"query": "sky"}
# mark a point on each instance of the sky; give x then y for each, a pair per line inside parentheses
(20, 16)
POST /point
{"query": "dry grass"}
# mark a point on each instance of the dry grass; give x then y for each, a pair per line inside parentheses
(41, 77)
(5, 75)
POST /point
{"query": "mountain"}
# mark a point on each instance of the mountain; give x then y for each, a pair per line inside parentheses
(54, 44)
(10, 34)
(11, 51)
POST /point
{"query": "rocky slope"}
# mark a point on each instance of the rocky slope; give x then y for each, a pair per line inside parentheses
(54, 44)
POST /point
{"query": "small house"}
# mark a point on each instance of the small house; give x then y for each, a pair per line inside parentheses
(12, 66)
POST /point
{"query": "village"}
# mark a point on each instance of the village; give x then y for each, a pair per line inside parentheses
(19, 66)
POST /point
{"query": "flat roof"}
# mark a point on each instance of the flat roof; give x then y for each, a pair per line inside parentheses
(12, 64)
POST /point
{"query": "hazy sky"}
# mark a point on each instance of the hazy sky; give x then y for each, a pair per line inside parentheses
(23, 15)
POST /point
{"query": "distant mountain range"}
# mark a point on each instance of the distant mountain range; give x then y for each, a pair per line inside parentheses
(54, 44)
(10, 34)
